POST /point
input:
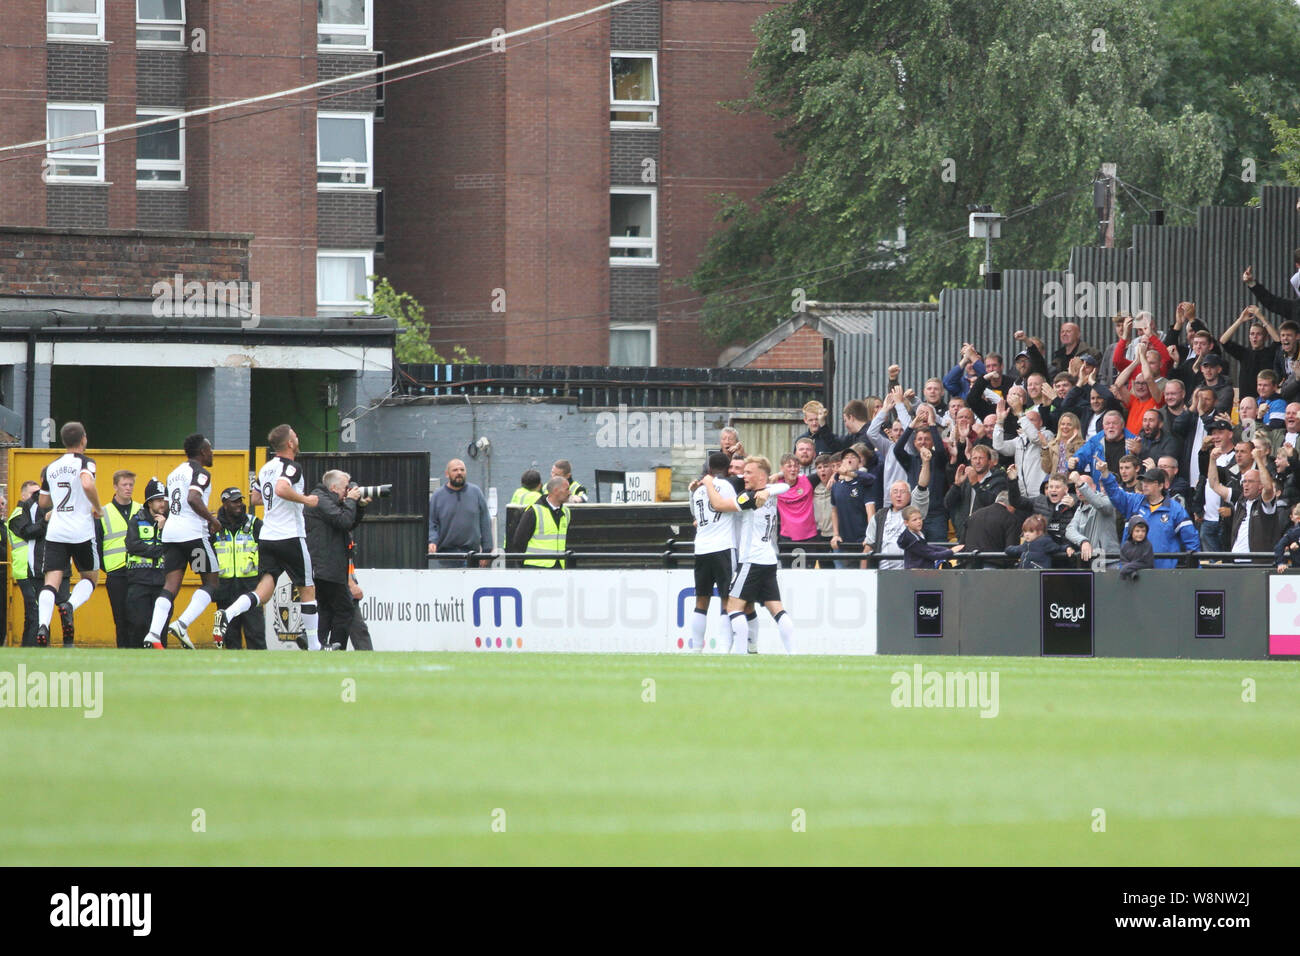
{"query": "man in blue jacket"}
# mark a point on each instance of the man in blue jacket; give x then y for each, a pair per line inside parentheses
(1169, 529)
(1111, 443)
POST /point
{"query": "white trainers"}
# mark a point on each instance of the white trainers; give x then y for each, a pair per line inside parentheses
(179, 631)
(753, 645)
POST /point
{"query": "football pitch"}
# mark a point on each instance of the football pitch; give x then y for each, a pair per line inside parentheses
(514, 758)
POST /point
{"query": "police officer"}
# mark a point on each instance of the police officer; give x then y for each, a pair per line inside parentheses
(236, 548)
(112, 527)
(27, 536)
(544, 527)
(144, 564)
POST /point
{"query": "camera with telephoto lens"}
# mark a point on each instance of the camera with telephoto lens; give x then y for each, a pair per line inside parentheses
(372, 491)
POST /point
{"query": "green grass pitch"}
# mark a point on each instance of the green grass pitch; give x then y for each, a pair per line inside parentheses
(518, 758)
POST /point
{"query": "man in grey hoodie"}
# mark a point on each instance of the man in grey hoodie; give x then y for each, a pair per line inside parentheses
(1092, 529)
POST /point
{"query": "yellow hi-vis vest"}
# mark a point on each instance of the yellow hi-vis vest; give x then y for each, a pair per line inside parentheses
(18, 551)
(548, 537)
(236, 551)
(115, 535)
(523, 497)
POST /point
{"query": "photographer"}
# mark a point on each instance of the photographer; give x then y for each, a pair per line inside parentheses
(329, 530)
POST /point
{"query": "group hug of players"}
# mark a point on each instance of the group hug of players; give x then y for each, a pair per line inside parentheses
(736, 551)
(177, 518)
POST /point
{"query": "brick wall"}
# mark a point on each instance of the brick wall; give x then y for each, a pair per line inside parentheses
(635, 26)
(76, 206)
(628, 149)
(633, 294)
(707, 150)
(346, 220)
(23, 68)
(346, 97)
(803, 349)
(166, 209)
(76, 72)
(160, 78)
(113, 263)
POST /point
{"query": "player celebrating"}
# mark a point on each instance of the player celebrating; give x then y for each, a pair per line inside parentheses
(755, 579)
(185, 541)
(714, 542)
(283, 545)
(68, 486)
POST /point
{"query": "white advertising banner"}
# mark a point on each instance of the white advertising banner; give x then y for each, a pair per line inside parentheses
(643, 611)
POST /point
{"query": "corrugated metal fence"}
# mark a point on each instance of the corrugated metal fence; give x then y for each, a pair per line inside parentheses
(1202, 264)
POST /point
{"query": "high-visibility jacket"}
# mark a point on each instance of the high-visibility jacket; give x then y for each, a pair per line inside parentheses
(19, 550)
(548, 537)
(115, 535)
(237, 550)
(150, 536)
(523, 497)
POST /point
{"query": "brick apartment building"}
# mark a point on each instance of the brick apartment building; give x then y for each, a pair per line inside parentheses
(543, 203)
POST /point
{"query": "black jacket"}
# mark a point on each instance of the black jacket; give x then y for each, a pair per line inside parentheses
(329, 532)
(962, 500)
(29, 524)
(150, 547)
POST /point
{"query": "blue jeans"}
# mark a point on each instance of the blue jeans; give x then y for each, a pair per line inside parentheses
(1211, 539)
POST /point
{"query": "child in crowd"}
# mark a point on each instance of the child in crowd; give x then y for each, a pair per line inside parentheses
(1136, 553)
(1036, 547)
(916, 552)
(1288, 548)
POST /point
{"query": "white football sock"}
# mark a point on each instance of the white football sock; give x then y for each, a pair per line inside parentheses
(162, 607)
(699, 624)
(45, 603)
(739, 634)
(80, 593)
(198, 603)
(785, 624)
(241, 604)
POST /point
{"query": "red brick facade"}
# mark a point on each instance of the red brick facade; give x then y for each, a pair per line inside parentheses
(803, 349)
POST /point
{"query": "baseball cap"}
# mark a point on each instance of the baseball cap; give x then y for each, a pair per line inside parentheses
(1218, 424)
(1092, 360)
(231, 494)
(1153, 474)
(1212, 359)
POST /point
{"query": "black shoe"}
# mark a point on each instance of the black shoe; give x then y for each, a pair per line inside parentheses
(42, 636)
(301, 642)
(65, 620)
(336, 646)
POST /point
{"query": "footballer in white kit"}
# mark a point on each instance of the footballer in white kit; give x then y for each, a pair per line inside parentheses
(186, 543)
(68, 493)
(715, 542)
(755, 579)
(282, 548)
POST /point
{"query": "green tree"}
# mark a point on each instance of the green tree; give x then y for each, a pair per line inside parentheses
(1288, 148)
(413, 346)
(902, 114)
(1238, 60)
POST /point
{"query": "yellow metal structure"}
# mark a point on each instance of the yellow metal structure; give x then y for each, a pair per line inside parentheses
(95, 619)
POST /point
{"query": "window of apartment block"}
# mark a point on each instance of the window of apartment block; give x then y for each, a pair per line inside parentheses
(160, 22)
(344, 23)
(633, 89)
(343, 150)
(632, 226)
(74, 19)
(77, 160)
(342, 281)
(160, 150)
(632, 343)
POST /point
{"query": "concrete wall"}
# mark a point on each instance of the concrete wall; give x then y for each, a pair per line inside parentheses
(524, 435)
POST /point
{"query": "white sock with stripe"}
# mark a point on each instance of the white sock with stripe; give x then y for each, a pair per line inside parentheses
(785, 624)
(739, 634)
(80, 593)
(699, 625)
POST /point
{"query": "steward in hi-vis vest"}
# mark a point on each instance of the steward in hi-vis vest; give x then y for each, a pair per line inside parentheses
(112, 549)
(544, 528)
(144, 562)
(236, 547)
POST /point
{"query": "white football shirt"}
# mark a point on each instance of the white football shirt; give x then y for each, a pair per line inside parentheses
(71, 520)
(183, 523)
(283, 518)
(714, 530)
(759, 526)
